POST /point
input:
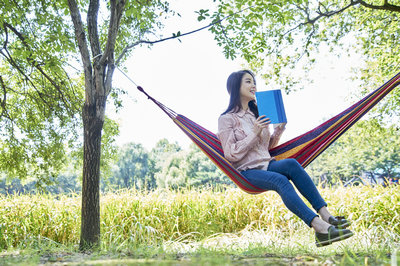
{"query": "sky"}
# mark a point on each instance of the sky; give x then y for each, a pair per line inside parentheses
(190, 78)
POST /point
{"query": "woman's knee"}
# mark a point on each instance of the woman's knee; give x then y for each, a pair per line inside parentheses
(292, 163)
(287, 166)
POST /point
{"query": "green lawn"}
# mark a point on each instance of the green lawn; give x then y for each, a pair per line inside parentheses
(201, 227)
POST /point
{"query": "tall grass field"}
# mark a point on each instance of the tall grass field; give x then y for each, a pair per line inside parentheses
(187, 221)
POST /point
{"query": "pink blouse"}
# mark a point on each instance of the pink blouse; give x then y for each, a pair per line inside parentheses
(241, 146)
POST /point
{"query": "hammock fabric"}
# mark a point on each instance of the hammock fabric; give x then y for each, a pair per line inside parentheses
(304, 148)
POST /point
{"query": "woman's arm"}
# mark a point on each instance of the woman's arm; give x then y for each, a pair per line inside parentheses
(234, 149)
(275, 137)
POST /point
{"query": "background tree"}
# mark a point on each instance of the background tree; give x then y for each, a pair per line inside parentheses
(173, 174)
(190, 168)
(202, 172)
(368, 147)
(159, 154)
(133, 168)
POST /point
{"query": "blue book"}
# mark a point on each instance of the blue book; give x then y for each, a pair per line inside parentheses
(270, 104)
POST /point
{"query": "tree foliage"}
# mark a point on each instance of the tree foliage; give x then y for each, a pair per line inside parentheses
(41, 91)
(133, 168)
(278, 38)
(42, 41)
(202, 172)
(190, 168)
(40, 102)
(368, 146)
(167, 165)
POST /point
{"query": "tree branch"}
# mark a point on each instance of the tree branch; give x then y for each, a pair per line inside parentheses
(27, 79)
(109, 75)
(128, 47)
(3, 102)
(225, 35)
(321, 14)
(385, 6)
(92, 27)
(83, 48)
(6, 39)
(328, 14)
(117, 8)
(33, 62)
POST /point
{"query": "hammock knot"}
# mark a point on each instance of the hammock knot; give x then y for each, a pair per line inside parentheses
(142, 90)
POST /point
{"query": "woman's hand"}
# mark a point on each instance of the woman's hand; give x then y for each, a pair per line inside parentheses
(280, 126)
(261, 123)
(275, 137)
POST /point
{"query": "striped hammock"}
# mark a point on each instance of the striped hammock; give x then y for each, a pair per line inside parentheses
(304, 148)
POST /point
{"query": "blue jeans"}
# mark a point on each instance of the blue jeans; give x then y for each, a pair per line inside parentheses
(277, 178)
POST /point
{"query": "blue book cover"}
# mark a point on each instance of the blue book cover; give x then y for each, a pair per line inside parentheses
(270, 104)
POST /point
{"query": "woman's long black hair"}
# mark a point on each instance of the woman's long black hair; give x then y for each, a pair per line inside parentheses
(233, 86)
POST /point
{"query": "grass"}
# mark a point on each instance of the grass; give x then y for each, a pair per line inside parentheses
(200, 226)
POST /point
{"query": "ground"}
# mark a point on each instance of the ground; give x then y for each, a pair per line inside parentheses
(76, 258)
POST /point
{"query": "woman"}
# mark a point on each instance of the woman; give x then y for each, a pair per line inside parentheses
(246, 141)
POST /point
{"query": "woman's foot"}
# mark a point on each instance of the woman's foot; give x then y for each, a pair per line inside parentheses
(319, 225)
(339, 222)
(333, 235)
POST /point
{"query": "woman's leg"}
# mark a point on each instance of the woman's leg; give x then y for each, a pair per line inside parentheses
(280, 183)
(296, 173)
(325, 233)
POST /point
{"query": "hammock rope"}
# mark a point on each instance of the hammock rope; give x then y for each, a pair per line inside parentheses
(304, 148)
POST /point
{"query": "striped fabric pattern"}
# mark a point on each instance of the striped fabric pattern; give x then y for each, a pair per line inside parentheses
(307, 147)
(304, 148)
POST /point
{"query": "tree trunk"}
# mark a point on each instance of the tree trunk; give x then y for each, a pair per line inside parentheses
(98, 71)
(90, 220)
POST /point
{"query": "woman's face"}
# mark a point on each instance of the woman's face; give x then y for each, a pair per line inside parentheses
(247, 88)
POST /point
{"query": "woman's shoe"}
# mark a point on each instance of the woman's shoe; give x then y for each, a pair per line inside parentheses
(333, 235)
(339, 222)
